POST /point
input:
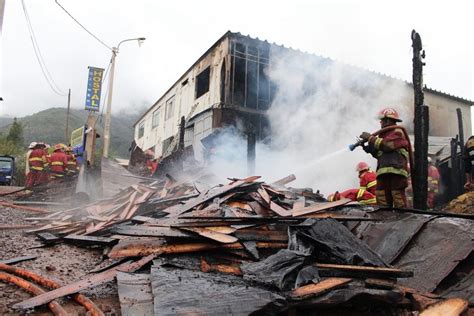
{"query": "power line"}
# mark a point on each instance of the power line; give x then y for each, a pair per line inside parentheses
(39, 56)
(98, 39)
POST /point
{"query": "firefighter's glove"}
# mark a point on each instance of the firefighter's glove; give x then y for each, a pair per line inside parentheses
(366, 148)
(365, 136)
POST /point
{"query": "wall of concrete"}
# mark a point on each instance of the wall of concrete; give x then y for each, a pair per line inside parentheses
(184, 98)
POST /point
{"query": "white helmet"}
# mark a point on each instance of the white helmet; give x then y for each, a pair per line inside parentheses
(32, 145)
(429, 160)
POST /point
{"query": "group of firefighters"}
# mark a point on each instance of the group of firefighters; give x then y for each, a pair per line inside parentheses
(43, 166)
(390, 184)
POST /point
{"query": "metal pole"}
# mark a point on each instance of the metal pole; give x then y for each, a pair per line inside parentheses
(67, 116)
(108, 112)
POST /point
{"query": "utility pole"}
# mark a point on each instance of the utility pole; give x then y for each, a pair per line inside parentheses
(420, 168)
(67, 116)
(108, 111)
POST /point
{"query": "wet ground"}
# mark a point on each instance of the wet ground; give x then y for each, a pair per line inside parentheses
(62, 263)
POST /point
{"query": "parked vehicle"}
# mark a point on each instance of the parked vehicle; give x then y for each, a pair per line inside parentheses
(7, 169)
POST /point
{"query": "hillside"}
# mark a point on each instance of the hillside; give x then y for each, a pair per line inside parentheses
(49, 126)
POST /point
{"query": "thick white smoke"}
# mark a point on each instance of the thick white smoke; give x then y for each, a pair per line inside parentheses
(319, 108)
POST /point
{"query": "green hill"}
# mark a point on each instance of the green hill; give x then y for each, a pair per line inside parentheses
(49, 126)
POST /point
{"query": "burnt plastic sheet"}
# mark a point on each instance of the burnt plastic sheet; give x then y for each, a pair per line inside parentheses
(435, 251)
(329, 241)
(135, 295)
(281, 270)
(388, 238)
(464, 289)
(181, 291)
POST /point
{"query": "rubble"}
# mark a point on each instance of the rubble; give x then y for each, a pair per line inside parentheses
(463, 204)
(251, 247)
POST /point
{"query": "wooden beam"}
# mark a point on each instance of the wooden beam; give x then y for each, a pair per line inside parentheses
(320, 288)
(319, 207)
(449, 307)
(327, 269)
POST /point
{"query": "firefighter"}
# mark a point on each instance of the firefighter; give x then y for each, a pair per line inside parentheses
(37, 163)
(469, 163)
(151, 163)
(30, 149)
(58, 162)
(367, 178)
(391, 147)
(358, 195)
(71, 167)
(433, 183)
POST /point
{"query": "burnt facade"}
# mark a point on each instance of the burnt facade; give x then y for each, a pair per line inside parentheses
(230, 85)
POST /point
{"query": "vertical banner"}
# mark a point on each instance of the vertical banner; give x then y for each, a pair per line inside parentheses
(94, 86)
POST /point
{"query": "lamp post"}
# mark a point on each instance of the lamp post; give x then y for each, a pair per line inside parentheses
(108, 112)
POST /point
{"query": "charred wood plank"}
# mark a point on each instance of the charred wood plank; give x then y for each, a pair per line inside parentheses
(213, 235)
(449, 307)
(284, 180)
(88, 281)
(312, 290)
(48, 238)
(133, 248)
(319, 207)
(327, 269)
(90, 240)
(261, 235)
(18, 259)
(215, 193)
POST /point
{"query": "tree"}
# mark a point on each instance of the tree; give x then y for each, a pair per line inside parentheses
(15, 134)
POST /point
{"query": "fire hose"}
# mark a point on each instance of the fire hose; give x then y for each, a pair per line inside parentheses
(32, 289)
(79, 298)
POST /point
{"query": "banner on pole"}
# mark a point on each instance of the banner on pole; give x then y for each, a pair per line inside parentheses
(94, 87)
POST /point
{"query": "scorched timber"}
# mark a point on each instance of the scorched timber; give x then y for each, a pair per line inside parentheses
(134, 248)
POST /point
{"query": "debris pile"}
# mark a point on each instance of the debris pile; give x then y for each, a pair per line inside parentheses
(463, 204)
(252, 247)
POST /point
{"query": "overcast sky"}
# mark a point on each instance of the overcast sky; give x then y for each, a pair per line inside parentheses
(371, 34)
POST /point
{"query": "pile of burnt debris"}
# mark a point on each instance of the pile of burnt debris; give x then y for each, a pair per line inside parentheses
(248, 247)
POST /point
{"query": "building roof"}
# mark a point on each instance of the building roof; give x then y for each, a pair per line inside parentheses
(238, 34)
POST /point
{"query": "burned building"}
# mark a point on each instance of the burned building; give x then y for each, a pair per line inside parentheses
(231, 84)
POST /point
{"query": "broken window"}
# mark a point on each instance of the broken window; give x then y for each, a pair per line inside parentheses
(156, 119)
(141, 129)
(202, 82)
(169, 108)
(250, 85)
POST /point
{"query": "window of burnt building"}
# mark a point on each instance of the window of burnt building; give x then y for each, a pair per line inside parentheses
(250, 84)
(169, 108)
(141, 129)
(202, 82)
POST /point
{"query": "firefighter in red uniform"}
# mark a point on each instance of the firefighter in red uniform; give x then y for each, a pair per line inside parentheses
(358, 195)
(469, 164)
(58, 162)
(71, 168)
(367, 178)
(151, 163)
(433, 183)
(37, 163)
(391, 147)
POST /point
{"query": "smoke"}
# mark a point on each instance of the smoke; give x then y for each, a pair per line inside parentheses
(319, 108)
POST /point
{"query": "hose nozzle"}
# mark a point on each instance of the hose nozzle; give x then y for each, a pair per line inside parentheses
(359, 142)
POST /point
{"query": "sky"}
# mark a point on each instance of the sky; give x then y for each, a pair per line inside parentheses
(374, 35)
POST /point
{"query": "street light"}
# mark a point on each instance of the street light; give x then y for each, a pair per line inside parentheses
(115, 51)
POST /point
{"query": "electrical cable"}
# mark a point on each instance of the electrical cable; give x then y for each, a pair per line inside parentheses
(39, 56)
(82, 26)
